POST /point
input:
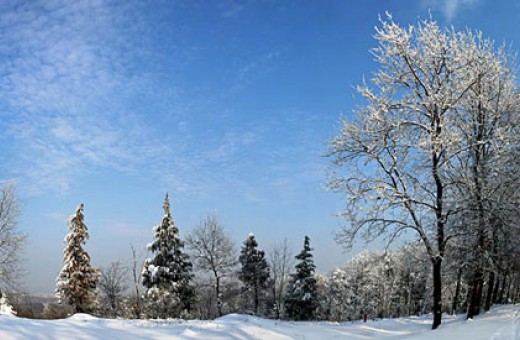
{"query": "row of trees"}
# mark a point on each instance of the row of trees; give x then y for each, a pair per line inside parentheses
(399, 283)
(372, 284)
(170, 289)
(433, 156)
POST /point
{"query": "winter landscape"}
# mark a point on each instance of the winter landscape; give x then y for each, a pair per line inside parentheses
(259, 170)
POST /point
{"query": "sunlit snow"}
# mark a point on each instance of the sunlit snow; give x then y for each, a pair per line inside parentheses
(502, 322)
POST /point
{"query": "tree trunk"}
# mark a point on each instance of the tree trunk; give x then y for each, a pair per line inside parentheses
(457, 292)
(508, 293)
(495, 290)
(276, 304)
(437, 292)
(489, 295)
(468, 298)
(217, 292)
(502, 290)
(476, 296)
(256, 299)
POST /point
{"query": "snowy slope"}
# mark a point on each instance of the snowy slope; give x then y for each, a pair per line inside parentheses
(500, 323)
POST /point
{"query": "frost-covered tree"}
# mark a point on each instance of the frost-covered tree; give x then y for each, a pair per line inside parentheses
(213, 251)
(323, 299)
(167, 275)
(487, 123)
(77, 282)
(338, 294)
(396, 162)
(254, 273)
(301, 299)
(11, 239)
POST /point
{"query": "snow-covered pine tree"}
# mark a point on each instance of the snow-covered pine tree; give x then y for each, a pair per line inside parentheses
(5, 306)
(167, 275)
(255, 270)
(77, 282)
(301, 301)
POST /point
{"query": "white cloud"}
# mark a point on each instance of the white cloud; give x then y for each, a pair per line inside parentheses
(450, 8)
(65, 87)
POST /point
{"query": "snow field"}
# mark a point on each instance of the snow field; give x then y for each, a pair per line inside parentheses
(501, 323)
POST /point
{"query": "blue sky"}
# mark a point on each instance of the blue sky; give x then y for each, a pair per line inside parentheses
(228, 105)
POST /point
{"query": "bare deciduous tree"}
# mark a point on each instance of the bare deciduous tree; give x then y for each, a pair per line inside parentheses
(213, 250)
(137, 263)
(281, 259)
(11, 239)
(113, 284)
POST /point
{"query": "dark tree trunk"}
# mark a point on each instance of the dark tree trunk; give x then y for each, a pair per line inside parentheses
(468, 298)
(502, 290)
(436, 158)
(476, 295)
(495, 290)
(457, 292)
(489, 295)
(437, 292)
(217, 292)
(256, 300)
(478, 275)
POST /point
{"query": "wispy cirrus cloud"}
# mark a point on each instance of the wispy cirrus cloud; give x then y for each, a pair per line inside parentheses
(83, 90)
(64, 83)
(450, 8)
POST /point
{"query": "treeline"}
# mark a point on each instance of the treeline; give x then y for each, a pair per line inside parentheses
(212, 278)
(208, 279)
(399, 283)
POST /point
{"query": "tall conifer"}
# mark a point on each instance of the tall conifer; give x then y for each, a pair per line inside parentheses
(301, 299)
(167, 275)
(255, 270)
(77, 282)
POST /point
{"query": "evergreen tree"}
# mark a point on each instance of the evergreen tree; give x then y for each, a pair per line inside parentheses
(5, 306)
(167, 276)
(301, 299)
(255, 270)
(77, 281)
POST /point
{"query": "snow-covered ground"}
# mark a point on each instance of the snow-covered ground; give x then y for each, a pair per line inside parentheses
(500, 323)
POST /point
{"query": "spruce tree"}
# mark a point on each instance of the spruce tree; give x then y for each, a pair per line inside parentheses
(77, 282)
(255, 270)
(301, 300)
(167, 275)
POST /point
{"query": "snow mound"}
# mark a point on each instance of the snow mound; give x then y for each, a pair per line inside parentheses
(82, 317)
(235, 318)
